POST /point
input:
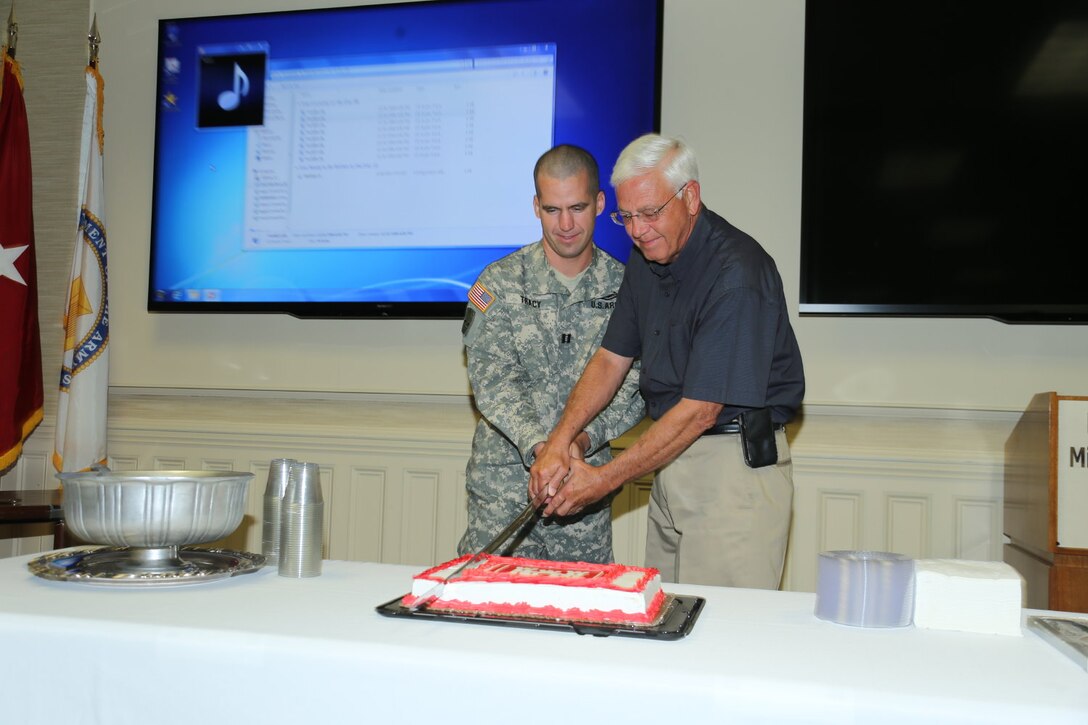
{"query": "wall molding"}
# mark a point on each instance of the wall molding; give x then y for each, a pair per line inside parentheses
(923, 482)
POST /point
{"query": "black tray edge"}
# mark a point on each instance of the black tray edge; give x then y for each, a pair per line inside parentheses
(678, 621)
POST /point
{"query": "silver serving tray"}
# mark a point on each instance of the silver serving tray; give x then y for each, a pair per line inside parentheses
(119, 566)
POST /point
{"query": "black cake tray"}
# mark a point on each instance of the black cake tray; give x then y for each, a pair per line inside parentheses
(676, 621)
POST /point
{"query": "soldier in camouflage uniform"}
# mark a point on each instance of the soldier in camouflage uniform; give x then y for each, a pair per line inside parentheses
(534, 318)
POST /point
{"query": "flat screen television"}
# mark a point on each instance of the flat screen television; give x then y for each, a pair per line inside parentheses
(370, 161)
(945, 162)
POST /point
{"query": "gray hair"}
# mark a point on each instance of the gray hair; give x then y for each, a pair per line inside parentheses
(648, 152)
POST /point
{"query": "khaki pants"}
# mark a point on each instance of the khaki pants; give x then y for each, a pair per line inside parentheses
(714, 520)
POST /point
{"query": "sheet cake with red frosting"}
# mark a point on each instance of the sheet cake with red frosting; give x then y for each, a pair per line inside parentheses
(581, 591)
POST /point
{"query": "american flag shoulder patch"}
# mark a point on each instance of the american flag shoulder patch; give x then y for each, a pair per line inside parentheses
(481, 297)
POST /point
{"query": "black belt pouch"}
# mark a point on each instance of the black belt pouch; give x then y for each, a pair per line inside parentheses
(757, 438)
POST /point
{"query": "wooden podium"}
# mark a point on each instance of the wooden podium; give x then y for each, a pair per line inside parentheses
(1046, 501)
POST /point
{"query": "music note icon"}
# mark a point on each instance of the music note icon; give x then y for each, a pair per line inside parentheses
(229, 100)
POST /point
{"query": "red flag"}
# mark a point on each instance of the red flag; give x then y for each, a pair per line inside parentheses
(20, 342)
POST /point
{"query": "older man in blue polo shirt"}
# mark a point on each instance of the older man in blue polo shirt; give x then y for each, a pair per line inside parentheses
(702, 307)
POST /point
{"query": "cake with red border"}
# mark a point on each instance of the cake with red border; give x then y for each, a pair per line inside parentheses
(576, 591)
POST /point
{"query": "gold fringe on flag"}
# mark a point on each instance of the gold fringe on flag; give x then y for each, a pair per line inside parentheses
(16, 70)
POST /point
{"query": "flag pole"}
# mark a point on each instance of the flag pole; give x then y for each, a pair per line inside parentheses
(93, 41)
(13, 31)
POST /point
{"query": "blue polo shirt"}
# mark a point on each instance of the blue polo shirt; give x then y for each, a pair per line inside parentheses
(712, 326)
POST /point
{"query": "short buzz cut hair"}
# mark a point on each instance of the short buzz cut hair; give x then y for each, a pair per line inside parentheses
(564, 161)
(652, 151)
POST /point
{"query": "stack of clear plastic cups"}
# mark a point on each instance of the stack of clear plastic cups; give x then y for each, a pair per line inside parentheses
(301, 522)
(278, 472)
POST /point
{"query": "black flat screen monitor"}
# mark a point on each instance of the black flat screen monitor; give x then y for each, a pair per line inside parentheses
(370, 161)
(946, 159)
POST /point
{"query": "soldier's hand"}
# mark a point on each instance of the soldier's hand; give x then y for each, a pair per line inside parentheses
(551, 466)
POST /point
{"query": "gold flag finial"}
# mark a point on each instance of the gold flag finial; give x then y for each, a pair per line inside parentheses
(13, 31)
(93, 40)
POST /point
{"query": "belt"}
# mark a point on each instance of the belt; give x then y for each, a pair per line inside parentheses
(732, 428)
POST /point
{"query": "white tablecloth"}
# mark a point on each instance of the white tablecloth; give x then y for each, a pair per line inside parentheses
(261, 648)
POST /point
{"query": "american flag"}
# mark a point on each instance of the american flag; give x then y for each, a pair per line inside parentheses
(480, 297)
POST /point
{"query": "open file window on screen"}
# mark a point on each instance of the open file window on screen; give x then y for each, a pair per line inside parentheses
(340, 144)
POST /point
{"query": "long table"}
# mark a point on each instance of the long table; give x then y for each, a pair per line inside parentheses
(261, 648)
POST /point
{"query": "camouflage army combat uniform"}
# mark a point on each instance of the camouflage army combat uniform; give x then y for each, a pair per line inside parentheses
(528, 339)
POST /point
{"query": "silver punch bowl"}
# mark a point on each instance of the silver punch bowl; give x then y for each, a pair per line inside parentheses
(153, 512)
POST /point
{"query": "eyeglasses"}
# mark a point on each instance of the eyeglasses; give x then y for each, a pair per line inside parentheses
(624, 218)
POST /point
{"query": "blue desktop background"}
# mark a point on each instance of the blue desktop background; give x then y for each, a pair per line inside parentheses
(607, 93)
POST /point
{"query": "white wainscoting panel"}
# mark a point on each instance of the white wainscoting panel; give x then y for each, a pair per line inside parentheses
(926, 484)
(908, 524)
(922, 483)
(358, 515)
